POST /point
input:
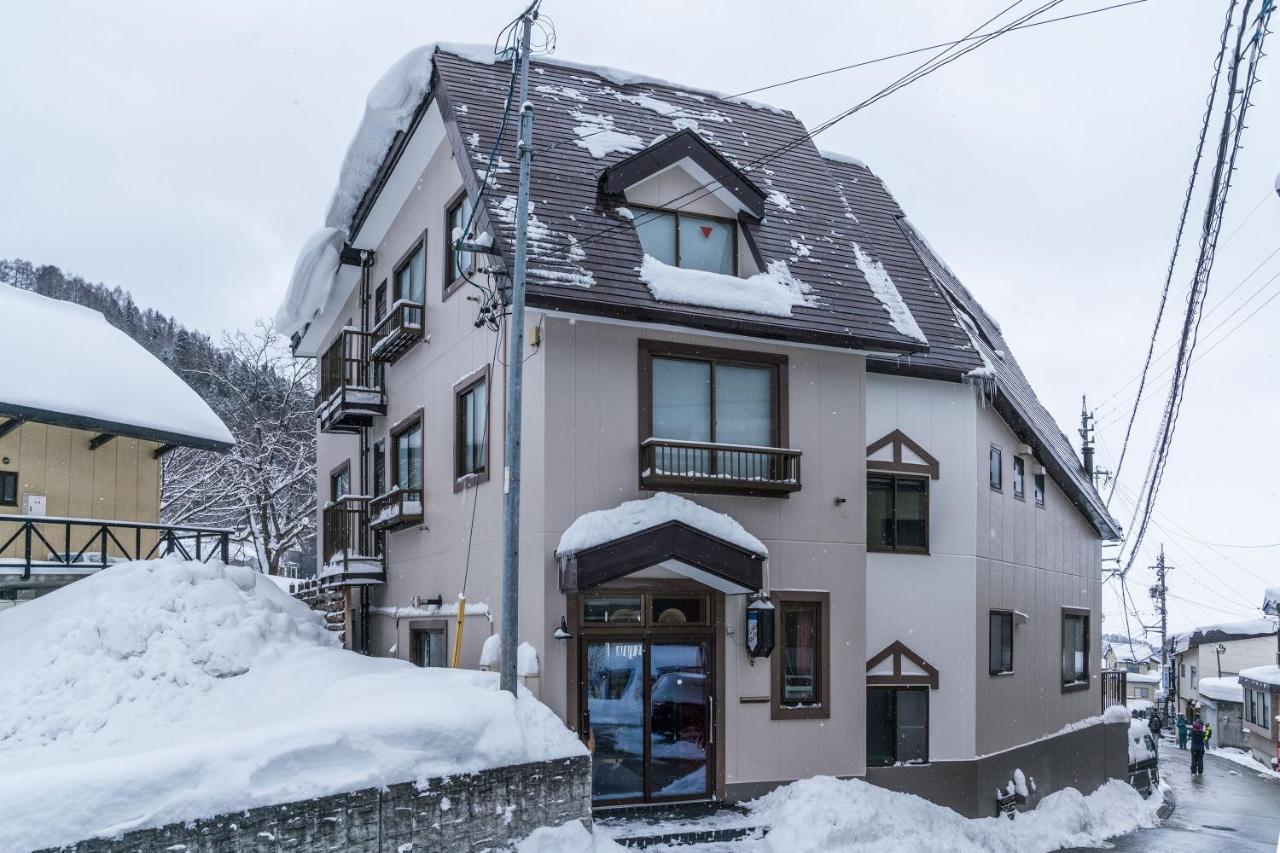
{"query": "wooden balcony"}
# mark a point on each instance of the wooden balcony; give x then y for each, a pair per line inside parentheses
(700, 466)
(350, 391)
(396, 333)
(398, 508)
(350, 551)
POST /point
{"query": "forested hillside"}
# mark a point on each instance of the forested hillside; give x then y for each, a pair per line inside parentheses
(264, 488)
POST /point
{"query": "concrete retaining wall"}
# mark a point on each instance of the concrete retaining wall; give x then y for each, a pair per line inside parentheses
(1083, 759)
(477, 811)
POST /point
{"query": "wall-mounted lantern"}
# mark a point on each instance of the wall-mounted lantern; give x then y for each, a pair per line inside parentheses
(562, 632)
(760, 628)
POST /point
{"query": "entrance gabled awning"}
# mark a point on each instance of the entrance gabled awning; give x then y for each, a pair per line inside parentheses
(667, 531)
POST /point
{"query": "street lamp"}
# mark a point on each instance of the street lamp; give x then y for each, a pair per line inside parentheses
(1219, 650)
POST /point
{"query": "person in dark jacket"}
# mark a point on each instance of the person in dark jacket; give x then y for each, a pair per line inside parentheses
(1154, 725)
(1183, 729)
(1197, 748)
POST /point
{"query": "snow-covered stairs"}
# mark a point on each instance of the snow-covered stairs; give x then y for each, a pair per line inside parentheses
(641, 827)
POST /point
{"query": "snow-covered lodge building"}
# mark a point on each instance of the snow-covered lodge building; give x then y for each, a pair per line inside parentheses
(86, 413)
(748, 379)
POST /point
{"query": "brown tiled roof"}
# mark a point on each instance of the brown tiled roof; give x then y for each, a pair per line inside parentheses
(963, 337)
(581, 237)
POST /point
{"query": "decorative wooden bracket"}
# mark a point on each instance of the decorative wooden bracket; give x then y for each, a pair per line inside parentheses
(898, 650)
(900, 439)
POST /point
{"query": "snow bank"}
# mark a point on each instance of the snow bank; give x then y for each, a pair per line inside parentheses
(570, 837)
(164, 691)
(74, 363)
(775, 291)
(1246, 760)
(605, 525)
(1265, 674)
(887, 292)
(826, 814)
(1225, 689)
(1139, 748)
(311, 284)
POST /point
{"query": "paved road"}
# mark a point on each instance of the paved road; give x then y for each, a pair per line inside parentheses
(1229, 808)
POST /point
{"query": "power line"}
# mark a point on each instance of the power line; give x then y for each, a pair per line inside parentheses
(913, 51)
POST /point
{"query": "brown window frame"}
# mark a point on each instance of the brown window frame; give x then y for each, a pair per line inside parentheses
(402, 263)
(733, 224)
(1038, 486)
(895, 548)
(464, 480)
(343, 467)
(928, 711)
(646, 604)
(380, 301)
(416, 629)
(10, 477)
(996, 455)
(1019, 478)
(393, 470)
(821, 602)
(779, 363)
(1004, 615)
(1087, 615)
(451, 282)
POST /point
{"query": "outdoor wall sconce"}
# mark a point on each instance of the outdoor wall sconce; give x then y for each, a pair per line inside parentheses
(562, 632)
(760, 628)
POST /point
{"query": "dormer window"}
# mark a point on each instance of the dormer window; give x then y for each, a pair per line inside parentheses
(692, 241)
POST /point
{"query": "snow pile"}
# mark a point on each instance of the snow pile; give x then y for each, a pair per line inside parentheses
(774, 292)
(570, 837)
(164, 690)
(1225, 689)
(887, 292)
(1263, 674)
(68, 360)
(526, 656)
(826, 814)
(1246, 760)
(596, 133)
(1140, 748)
(606, 525)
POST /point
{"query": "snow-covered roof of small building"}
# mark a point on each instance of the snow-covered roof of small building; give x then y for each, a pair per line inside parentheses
(1152, 677)
(1224, 689)
(606, 525)
(1133, 651)
(1269, 675)
(69, 366)
(1222, 632)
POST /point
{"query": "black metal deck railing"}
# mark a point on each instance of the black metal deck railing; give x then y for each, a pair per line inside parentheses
(83, 544)
(711, 466)
(349, 389)
(397, 332)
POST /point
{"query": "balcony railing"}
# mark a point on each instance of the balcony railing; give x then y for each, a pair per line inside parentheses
(350, 392)
(350, 548)
(48, 545)
(702, 466)
(396, 509)
(397, 332)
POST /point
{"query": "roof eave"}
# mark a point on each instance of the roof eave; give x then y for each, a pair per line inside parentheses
(98, 425)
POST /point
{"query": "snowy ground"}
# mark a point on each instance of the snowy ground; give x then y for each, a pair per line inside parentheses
(1246, 760)
(826, 815)
(164, 690)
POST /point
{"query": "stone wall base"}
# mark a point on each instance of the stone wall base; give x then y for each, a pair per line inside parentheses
(474, 811)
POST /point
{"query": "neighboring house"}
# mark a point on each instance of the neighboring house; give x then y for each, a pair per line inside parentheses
(1141, 665)
(1221, 705)
(85, 415)
(1261, 702)
(1194, 655)
(700, 327)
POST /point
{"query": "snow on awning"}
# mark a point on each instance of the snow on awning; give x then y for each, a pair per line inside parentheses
(1225, 689)
(1262, 675)
(72, 368)
(665, 530)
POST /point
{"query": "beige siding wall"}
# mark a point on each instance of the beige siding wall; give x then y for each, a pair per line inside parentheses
(118, 481)
(1037, 561)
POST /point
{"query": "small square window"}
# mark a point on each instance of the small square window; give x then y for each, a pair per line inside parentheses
(997, 468)
(8, 488)
(1019, 479)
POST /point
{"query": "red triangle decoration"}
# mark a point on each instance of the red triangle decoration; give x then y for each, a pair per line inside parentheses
(706, 230)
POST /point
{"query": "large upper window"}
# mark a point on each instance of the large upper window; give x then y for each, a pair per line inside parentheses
(1000, 643)
(897, 513)
(406, 455)
(698, 397)
(457, 216)
(1075, 649)
(688, 240)
(471, 439)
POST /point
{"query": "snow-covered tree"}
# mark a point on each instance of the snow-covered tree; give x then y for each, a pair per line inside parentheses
(264, 487)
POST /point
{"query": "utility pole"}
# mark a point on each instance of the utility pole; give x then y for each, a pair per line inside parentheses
(1086, 436)
(515, 375)
(1160, 595)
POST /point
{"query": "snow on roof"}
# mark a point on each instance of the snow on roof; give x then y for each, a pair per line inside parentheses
(165, 690)
(1222, 632)
(775, 291)
(71, 367)
(1143, 677)
(1224, 689)
(311, 285)
(1134, 651)
(605, 525)
(887, 292)
(842, 158)
(1263, 674)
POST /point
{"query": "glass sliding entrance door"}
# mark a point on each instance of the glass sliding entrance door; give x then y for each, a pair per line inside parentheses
(649, 709)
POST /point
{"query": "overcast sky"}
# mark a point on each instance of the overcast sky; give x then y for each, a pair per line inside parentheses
(185, 151)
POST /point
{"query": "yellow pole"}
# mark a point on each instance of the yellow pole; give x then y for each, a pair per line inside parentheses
(457, 633)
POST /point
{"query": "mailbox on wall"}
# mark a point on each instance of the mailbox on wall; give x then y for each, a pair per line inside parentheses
(33, 504)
